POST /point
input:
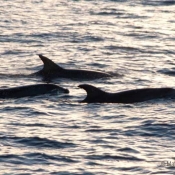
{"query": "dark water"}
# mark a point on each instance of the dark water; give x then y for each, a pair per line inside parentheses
(54, 134)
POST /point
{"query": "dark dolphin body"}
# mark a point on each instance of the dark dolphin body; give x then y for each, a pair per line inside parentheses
(95, 95)
(30, 90)
(52, 70)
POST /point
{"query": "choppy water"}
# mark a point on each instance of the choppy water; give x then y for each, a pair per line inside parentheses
(57, 135)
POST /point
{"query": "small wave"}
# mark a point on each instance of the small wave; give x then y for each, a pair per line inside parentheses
(133, 49)
(14, 52)
(34, 158)
(102, 130)
(31, 125)
(47, 157)
(152, 130)
(17, 40)
(161, 128)
(118, 13)
(108, 12)
(170, 72)
(12, 158)
(116, 158)
(73, 173)
(127, 149)
(159, 3)
(2, 75)
(8, 108)
(38, 142)
(85, 39)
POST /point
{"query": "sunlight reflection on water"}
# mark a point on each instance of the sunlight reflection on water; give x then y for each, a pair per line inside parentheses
(56, 134)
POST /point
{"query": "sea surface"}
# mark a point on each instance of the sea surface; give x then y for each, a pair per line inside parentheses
(57, 135)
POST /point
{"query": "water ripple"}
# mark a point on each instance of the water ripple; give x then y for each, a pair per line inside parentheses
(38, 142)
(59, 136)
(117, 158)
(34, 158)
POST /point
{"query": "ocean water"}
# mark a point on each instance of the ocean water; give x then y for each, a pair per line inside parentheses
(55, 134)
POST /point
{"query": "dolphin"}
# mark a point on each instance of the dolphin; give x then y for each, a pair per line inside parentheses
(51, 70)
(30, 90)
(96, 95)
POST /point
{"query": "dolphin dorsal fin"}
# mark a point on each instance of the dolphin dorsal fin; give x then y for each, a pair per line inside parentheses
(93, 93)
(49, 65)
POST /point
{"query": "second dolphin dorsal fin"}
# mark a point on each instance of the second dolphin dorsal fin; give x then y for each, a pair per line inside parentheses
(93, 93)
(49, 65)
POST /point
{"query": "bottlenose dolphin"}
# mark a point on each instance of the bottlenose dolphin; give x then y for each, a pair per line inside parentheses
(30, 90)
(95, 95)
(52, 70)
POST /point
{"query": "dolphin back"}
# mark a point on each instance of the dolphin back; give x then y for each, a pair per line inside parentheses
(95, 95)
(30, 90)
(50, 69)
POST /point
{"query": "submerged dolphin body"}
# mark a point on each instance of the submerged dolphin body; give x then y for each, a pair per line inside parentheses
(95, 95)
(52, 70)
(30, 90)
